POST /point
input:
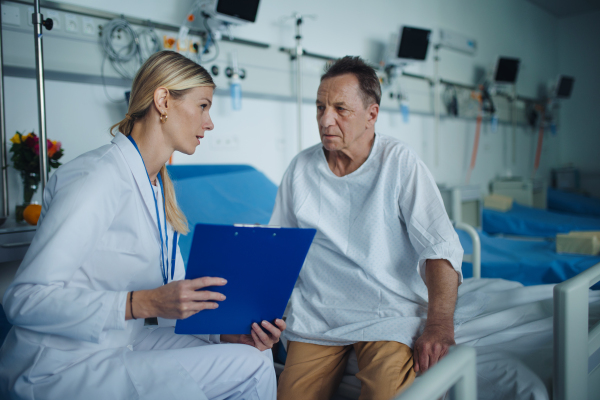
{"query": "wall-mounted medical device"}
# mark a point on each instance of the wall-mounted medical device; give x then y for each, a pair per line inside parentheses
(236, 11)
(507, 69)
(410, 45)
(457, 41)
(564, 87)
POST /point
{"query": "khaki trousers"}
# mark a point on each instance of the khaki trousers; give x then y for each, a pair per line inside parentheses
(314, 372)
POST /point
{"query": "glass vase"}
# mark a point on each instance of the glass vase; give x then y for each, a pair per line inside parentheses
(31, 182)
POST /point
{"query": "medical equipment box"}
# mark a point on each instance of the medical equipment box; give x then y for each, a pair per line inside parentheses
(587, 243)
(527, 192)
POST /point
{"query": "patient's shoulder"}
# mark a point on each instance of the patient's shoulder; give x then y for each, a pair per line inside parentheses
(396, 150)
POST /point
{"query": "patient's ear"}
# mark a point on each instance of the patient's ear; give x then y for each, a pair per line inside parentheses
(372, 114)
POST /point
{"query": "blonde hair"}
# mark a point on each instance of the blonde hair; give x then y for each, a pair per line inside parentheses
(178, 74)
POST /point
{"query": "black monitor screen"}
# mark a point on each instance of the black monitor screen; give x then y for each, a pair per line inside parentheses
(565, 86)
(414, 43)
(242, 9)
(507, 69)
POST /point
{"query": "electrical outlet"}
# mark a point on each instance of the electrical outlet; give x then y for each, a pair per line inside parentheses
(11, 15)
(55, 17)
(225, 142)
(89, 27)
(71, 23)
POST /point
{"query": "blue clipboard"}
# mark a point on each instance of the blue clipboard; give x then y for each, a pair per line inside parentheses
(261, 265)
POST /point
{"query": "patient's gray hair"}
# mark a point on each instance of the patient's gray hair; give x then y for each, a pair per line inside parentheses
(369, 87)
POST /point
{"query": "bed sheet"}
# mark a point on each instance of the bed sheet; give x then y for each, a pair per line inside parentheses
(573, 203)
(530, 262)
(221, 194)
(528, 221)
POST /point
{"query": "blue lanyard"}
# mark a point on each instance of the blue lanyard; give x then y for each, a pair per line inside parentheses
(164, 268)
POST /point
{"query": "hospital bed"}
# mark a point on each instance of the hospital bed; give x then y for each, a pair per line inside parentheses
(528, 221)
(576, 375)
(530, 262)
(573, 203)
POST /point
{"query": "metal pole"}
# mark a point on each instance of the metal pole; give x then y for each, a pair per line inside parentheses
(3, 154)
(38, 20)
(299, 52)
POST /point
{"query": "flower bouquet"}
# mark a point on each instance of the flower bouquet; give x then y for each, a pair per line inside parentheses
(26, 159)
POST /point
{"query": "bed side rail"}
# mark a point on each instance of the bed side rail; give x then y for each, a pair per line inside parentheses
(456, 370)
(573, 341)
(475, 257)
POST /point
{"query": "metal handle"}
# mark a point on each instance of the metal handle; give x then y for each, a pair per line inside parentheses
(38, 22)
(3, 155)
(13, 245)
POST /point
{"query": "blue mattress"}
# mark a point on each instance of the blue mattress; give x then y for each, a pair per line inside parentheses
(528, 221)
(573, 203)
(221, 194)
(526, 261)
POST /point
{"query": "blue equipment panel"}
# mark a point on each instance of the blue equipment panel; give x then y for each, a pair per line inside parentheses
(261, 265)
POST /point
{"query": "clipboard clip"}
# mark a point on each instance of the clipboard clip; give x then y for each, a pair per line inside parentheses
(255, 226)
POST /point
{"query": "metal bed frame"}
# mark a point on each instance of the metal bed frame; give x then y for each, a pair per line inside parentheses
(574, 343)
(475, 257)
(457, 371)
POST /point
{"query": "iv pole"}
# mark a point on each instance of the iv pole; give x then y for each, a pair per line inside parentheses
(299, 52)
(3, 154)
(38, 24)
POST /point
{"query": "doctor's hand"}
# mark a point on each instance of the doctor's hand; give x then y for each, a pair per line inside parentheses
(257, 337)
(432, 345)
(178, 299)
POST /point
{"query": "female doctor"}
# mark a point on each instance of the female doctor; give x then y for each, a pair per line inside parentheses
(105, 257)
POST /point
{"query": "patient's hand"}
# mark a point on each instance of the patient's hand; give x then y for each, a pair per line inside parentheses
(432, 346)
(258, 338)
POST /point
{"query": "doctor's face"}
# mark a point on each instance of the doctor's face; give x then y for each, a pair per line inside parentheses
(341, 113)
(189, 119)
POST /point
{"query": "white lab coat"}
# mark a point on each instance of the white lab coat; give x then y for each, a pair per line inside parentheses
(97, 239)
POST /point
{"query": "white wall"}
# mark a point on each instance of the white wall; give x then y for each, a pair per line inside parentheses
(79, 114)
(579, 53)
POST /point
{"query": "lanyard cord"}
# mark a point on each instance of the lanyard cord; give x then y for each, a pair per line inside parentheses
(164, 269)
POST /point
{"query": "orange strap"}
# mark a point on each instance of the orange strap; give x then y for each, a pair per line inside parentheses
(475, 143)
(538, 152)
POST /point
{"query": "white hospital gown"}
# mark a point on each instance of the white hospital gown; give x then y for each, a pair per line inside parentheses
(363, 278)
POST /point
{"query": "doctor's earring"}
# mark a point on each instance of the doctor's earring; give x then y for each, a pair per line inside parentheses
(163, 118)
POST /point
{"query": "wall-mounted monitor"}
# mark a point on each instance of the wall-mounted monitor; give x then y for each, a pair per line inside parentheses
(410, 45)
(414, 43)
(564, 87)
(236, 11)
(506, 70)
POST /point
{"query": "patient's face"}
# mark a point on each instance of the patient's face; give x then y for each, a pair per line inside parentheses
(341, 114)
(189, 119)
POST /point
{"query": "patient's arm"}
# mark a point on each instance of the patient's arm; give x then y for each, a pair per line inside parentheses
(442, 284)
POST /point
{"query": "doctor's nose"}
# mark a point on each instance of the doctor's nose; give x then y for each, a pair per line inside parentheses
(208, 125)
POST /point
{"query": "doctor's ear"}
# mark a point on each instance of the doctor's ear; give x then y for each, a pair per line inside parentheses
(161, 99)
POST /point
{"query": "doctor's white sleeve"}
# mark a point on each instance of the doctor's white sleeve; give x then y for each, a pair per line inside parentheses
(429, 229)
(83, 207)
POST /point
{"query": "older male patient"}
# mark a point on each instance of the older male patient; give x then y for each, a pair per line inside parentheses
(382, 274)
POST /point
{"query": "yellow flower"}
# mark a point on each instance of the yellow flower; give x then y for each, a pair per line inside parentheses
(16, 139)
